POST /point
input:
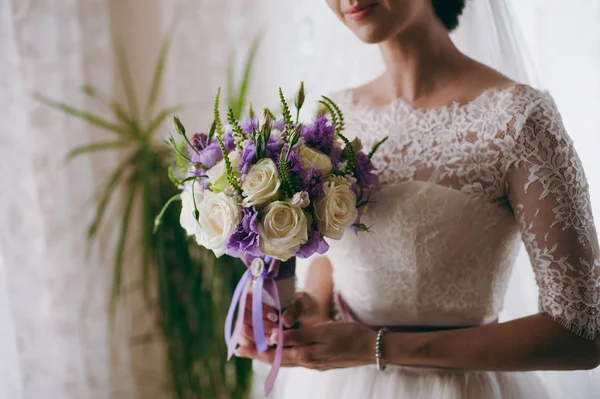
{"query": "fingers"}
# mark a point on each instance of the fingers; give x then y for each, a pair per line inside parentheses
(247, 336)
(299, 337)
(267, 310)
(302, 306)
(269, 319)
(305, 356)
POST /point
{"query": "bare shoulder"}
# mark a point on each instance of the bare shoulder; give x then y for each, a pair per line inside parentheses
(479, 77)
(369, 93)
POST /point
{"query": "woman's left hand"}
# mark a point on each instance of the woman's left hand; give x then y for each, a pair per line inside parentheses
(321, 346)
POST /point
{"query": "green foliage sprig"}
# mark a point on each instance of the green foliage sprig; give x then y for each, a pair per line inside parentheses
(337, 118)
(287, 186)
(285, 109)
(377, 145)
(238, 134)
(233, 181)
(217, 115)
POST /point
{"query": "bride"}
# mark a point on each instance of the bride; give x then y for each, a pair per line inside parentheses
(474, 163)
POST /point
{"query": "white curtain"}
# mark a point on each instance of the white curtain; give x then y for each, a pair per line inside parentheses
(55, 340)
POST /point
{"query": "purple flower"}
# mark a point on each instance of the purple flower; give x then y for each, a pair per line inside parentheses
(246, 238)
(250, 124)
(320, 135)
(209, 154)
(312, 182)
(316, 244)
(249, 153)
(364, 171)
(278, 124)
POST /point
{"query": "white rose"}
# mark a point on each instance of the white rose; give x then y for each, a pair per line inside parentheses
(217, 176)
(312, 158)
(220, 216)
(261, 184)
(301, 199)
(186, 218)
(336, 211)
(283, 230)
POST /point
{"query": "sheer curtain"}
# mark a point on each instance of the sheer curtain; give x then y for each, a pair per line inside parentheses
(55, 341)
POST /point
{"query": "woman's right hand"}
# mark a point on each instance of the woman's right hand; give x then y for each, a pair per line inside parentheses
(304, 310)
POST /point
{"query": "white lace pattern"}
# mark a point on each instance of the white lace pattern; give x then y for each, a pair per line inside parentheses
(461, 183)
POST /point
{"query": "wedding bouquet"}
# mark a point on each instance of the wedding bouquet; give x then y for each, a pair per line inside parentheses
(269, 190)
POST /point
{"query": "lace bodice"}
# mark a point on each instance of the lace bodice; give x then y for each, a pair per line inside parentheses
(460, 185)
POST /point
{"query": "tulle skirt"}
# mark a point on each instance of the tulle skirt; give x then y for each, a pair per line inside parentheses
(402, 382)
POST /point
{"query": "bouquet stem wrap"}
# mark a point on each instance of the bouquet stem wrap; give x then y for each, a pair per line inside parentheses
(265, 273)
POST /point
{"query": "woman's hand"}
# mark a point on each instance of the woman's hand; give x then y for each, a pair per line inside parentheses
(323, 346)
(304, 310)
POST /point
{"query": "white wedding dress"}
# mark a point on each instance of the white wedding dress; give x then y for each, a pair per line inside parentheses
(461, 185)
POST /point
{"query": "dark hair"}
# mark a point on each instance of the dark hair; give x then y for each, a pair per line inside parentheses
(448, 11)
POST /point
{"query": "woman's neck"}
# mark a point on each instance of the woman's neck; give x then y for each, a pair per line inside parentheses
(419, 60)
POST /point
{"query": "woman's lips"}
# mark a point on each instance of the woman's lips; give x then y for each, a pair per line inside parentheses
(360, 12)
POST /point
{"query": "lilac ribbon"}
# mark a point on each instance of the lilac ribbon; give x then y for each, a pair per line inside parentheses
(265, 280)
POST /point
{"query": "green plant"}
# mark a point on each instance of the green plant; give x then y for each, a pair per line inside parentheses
(192, 288)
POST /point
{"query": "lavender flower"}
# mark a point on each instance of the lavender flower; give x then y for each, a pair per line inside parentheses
(246, 238)
(312, 182)
(316, 244)
(274, 147)
(209, 154)
(320, 135)
(249, 125)
(364, 171)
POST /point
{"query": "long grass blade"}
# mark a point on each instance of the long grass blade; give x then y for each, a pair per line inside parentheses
(84, 115)
(117, 281)
(112, 104)
(159, 71)
(95, 147)
(109, 188)
(127, 80)
(244, 84)
(161, 117)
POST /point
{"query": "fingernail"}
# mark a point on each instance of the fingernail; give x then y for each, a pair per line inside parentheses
(272, 317)
(274, 336)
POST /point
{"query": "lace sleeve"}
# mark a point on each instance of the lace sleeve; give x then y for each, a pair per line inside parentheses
(548, 191)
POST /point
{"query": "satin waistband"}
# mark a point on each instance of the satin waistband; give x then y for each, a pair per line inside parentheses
(408, 328)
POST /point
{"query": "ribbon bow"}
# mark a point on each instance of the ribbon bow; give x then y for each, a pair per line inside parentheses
(263, 277)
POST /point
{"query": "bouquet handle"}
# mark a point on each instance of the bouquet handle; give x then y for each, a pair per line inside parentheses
(265, 283)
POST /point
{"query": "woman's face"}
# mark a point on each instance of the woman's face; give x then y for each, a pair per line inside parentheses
(375, 21)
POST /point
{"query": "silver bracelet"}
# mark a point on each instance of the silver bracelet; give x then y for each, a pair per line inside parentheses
(378, 345)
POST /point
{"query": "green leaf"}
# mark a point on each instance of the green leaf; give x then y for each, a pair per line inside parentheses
(176, 181)
(242, 91)
(158, 219)
(83, 115)
(159, 71)
(161, 117)
(127, 80)
(112, 104)
(121, 245)
(107, 192)
(377, 145)
(95, 147)
(181, 163)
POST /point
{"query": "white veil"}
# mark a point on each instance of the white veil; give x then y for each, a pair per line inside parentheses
(325, 55)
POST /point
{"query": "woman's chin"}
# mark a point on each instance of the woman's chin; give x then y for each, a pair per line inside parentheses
(370, 34)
